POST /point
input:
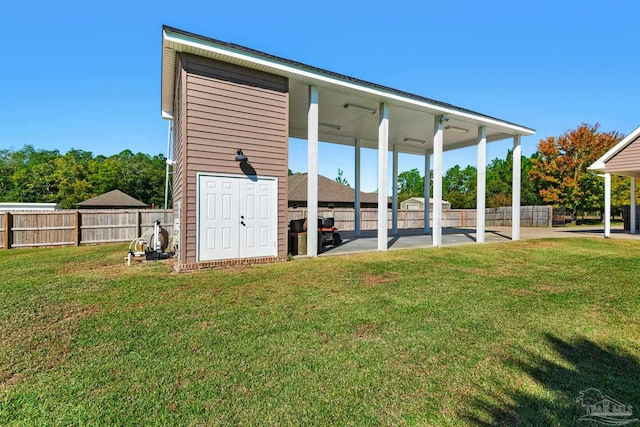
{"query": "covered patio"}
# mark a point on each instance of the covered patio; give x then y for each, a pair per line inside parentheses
(624, 160)
(338, 109)
(334, 108)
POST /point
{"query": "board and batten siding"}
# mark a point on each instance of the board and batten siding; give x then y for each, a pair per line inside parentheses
(228, 107)
(626, 160)
(179, 130)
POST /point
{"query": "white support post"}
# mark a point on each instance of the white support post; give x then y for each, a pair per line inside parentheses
(427, 190)
(607, 205)
(632, 207)
(481, 188)
(515, 188)
(312, 173)
(383, 166)
(394, 204)
(438, 141)
(356, 202)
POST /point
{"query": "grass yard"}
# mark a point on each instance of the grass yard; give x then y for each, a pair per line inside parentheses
(495, 334)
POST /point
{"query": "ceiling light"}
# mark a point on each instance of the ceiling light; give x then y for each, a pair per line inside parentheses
(329, 125)
(360, 107)
(456, 129)
(421, 141)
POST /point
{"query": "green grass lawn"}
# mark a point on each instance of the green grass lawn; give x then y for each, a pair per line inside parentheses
(495, 334)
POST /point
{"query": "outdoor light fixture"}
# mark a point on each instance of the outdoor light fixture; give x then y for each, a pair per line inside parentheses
(421, 141)
(443, 119)
(240, 156)
(456, 129)
(329, 125)
(360, 107)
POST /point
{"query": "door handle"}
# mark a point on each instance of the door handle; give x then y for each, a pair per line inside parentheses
(242, 222)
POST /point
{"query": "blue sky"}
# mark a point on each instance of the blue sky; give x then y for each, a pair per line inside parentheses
(86, 75)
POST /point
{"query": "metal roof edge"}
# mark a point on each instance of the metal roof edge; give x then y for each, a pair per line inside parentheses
(187, 38)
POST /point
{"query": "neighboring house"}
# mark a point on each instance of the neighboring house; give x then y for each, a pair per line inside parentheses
(418, 203)
(233, 111)
(331, 194)
(115, 199)
(624, 160)
(9, 207)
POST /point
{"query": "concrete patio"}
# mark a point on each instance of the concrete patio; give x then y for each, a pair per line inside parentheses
(410, 239)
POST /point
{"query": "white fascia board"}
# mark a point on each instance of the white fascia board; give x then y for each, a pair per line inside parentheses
(167, 116)
(188, 41)
(600, 163)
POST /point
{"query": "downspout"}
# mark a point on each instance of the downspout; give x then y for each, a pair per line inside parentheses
(169, 163)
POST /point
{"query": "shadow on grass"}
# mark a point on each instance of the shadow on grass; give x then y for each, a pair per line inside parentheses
(581, 364)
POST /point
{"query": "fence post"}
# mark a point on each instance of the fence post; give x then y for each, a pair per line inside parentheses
(138, 224)
(78, 231)
(8, 225)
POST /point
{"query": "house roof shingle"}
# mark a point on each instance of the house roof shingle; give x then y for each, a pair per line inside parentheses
(328, 190)
(112, 199)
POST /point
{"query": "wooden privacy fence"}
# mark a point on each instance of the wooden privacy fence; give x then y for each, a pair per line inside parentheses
(344, 218)
(22, 229)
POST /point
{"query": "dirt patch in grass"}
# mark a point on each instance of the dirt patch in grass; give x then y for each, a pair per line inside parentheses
(379, 279)
(105, 266)
(367, 332)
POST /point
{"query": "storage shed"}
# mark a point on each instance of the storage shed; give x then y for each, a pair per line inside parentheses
(418, 204)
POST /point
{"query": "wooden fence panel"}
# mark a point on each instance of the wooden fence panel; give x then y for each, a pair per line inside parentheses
(3, 233)
(101, 226)
(34, 229)
(68, 227)
(148, 217)
(530, 216)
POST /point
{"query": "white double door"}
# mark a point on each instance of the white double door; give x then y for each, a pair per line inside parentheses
(238, 217)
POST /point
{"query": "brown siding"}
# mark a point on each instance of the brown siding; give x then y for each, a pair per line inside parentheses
(626, 160)
(229, 107)
(179, 130)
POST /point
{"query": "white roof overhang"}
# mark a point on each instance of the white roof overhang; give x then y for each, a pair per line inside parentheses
(600, 164)
(411, 116)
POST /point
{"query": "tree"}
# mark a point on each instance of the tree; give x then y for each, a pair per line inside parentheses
(500, 180)
(28, 175)
(340, 179)
(71, 176)
(561, 171)
(459, 187)
(410, 184)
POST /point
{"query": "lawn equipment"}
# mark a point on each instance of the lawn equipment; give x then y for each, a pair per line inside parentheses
(327, 233)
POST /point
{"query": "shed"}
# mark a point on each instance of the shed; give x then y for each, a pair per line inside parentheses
(114, 199)
(418, 203)
(234, 109)
(624, 160)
